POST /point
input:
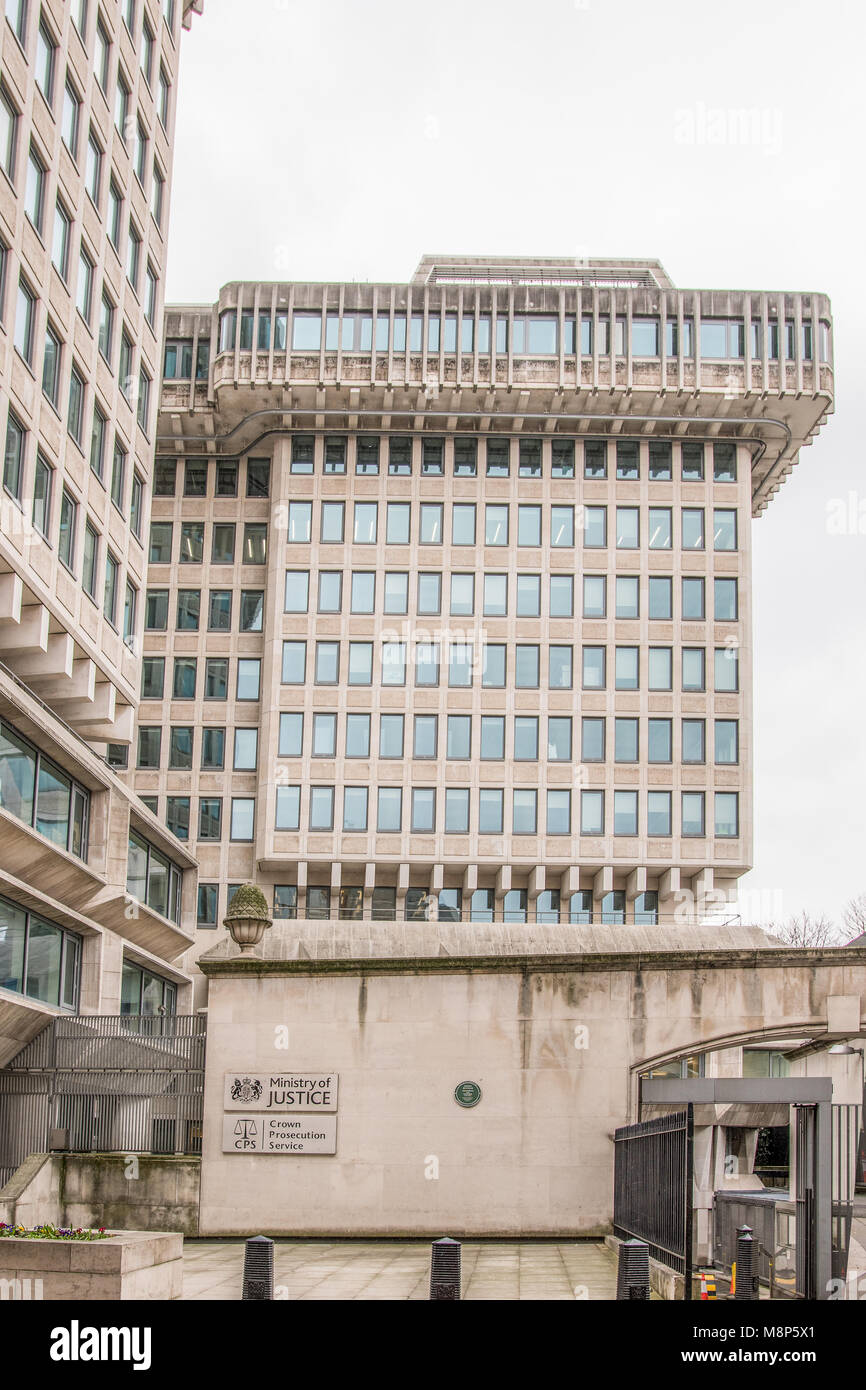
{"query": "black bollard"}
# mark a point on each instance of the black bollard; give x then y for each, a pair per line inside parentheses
(445, 1270)
(747, 1266)
(258, 1270)
(632, 1277)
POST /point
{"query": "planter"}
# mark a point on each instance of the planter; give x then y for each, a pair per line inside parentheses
(130, 1264)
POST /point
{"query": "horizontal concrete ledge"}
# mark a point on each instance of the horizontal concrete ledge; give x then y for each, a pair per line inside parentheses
(244, 966)
(793, 1090)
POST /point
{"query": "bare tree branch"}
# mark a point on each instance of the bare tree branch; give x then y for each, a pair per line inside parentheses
(805, 930)
(854, 916)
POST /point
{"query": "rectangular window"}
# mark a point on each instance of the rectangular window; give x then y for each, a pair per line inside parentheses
(625, 813)
(594, 527)
(68, 525)
(242, 818)
(34, 190)
(660, 668)
(659, 740)
(559, 739)
(727, 669)
(724, 462)
(389, 809)
(97, 443)
(526, 738)
(366, 523)
(423, 810)
(660, 462)
(724, 529)
(84, 287)
(430, 532)
(25, 317)
(109, 606)
(490, 811)
(60, 240)
(693, 741)
(693, 528)
(496, 525)
(692, 814)
(660, 598)
(251, 610)
(658, 817)
(210, 815)
(93, 169)
(324, 735)
(463, 523)
(592, 749)
(327, 663)
(693, 599)
(46, 52)
(13, 457)
(594, 677)
(727, 745)
(248, 678)
(294, 663)
(255, 543)
(725, 600)
(291, 741)
(397, 523)
(367, 456)
(216, 678)
(42, 484)
(524, 811)
(498, 451)
(246, 750)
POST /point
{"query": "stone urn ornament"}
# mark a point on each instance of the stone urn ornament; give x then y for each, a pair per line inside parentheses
(247, 917)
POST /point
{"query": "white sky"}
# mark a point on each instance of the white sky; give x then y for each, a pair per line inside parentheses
(341, 140)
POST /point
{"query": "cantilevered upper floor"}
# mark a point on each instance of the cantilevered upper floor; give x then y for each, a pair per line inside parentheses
(551, 344)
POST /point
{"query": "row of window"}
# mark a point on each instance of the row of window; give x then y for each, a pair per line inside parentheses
(464, 590)
(564, 523)
(463, 659)
(523, 745)
(136, 391)
(47, 45)
(36, 791)
(419, 905)
(100, 567)
(533, 335)
(196, 473)
(489, 817)
(489, 740)
(37, 958)
(142, 992)
(47, 48)
(152, 878)
(627, 745)
(369, 453)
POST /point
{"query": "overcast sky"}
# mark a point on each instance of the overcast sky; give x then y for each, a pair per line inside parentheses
(342, 140)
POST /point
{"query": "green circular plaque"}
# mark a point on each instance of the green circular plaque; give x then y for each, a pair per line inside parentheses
(467, 1094)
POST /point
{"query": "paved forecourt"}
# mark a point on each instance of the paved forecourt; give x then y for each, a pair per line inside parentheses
(401, 1270)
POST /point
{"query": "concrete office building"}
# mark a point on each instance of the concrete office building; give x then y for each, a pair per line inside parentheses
(448, 601)
(96, 898)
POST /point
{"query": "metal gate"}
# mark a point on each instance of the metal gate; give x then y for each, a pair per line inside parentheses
(105, 1084)
(653, 1186)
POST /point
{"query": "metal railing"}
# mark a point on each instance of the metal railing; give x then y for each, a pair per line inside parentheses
(128, 1083)
(653, 1184)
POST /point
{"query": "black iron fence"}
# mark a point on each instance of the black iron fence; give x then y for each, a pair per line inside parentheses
(653, 1184)
(105, 1084)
